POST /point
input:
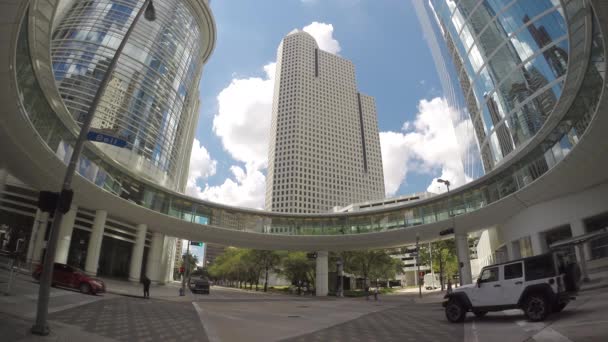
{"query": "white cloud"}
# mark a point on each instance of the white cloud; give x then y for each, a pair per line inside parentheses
(201, 167)
(243, 119)
(324, 35)
(426, 145)
(245, 189)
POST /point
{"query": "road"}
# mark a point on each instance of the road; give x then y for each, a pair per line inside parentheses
(234, 315)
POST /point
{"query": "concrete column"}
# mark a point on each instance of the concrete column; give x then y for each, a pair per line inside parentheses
(582, 262)
(463, 253)
(321, 282)
(92, 262)
(3, 177)
(516, 250)
(510, 251)
(137, 254)
(539, 243)
(171, 259)
(578, 228)
(154, 267)
(32, 243)
(65, 235)
(166, 262)
(43, 221)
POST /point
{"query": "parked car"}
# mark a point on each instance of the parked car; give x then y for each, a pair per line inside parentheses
(539, 285)
(68, 276)
(199, 284)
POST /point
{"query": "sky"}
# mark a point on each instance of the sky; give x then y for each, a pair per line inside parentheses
(393, 63)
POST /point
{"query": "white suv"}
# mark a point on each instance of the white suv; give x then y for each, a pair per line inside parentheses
(538, 285)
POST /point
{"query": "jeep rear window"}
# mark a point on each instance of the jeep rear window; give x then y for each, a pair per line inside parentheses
(539, 267)
(513, 271)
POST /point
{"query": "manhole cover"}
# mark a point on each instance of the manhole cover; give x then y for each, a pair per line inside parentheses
(303, 306)
(294, 316)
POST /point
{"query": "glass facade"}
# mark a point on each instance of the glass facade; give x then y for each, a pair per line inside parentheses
(152, 96)
(511, 58)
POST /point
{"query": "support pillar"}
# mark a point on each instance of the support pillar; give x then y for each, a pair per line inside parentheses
(516, 249)
(3, 177)
(65, 235)
(510, 251)
(154, 267)
(32, 243)
(578, 228)
(539, 243)
(92, 261)
(321, 276)
(137, 254)
(39, 242)
(582, 262)
(463, 253)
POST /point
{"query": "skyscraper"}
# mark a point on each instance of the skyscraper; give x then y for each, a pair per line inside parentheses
(324, 144)
(151, 101)
(510, 60)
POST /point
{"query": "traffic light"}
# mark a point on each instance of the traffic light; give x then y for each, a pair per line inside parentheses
(196, 243)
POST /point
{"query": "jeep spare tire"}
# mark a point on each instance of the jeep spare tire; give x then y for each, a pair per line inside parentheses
(572, 277)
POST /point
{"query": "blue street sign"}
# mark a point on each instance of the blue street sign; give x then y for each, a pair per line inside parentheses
(104, 138)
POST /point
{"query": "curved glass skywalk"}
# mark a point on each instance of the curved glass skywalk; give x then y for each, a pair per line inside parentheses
(549, 150)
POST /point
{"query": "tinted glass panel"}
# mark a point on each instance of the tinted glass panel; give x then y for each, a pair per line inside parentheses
(513, 271)
(539, 267)
(489, 275)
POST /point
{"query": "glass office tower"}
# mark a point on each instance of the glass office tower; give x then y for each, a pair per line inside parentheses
(510, 59)
(151, 101)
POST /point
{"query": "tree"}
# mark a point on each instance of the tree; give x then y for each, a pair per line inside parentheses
(267, 260)
(371, 264)
(298, 268)
(192, 260)
(443, 255)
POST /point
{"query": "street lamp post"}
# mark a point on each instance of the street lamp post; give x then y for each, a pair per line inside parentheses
(446, 182)
(65, 196)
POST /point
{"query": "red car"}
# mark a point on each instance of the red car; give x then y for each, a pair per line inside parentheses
(68, 276)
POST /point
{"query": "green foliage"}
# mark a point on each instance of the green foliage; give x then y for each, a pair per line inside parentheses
(192, 260)
(238, 265)
(371, 264)
(296, 267)
(443, 255)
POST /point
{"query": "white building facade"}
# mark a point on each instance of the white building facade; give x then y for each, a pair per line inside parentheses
(324, 144)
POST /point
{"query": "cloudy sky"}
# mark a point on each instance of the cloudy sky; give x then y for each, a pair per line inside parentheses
(393, 63)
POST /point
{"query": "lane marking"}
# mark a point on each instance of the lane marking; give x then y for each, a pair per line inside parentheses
(470, 332)
(206, 323)
(32, 314)
(549, 334)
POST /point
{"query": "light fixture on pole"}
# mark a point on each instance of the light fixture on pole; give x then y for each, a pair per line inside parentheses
(446, 182)
(64, 200)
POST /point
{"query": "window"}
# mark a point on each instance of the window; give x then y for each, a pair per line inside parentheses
(489, 275)
(513, 271)
(539, 267)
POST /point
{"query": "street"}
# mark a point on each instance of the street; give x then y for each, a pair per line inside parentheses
(236, 315)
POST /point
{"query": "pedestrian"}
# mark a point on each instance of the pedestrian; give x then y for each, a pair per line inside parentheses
(366, 292)
(376, 293)
(449, 285)
(146, 281)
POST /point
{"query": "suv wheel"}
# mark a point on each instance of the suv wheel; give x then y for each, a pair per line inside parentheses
(480, 313)
(85, 288)
(536, 307)
(455, 312)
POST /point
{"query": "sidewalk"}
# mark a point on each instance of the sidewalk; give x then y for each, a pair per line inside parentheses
(17, 329)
